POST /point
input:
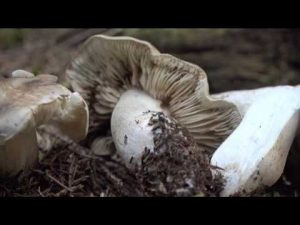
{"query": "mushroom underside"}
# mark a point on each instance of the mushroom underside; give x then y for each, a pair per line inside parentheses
(128, 82)
(106, 68)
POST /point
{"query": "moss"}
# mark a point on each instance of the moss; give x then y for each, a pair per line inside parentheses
(37, 69)
(11, 37)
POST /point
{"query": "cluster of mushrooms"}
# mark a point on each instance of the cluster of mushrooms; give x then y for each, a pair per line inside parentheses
(128, 84)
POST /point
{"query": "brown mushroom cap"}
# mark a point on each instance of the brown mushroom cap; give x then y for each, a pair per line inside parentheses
(26, 102)
(106, 67)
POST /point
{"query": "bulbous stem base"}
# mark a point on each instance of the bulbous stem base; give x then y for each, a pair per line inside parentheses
(130, 127)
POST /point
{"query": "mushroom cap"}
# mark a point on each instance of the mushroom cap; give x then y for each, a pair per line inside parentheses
(254, 155)
(243, 99)
(106, 67)
(26, 102)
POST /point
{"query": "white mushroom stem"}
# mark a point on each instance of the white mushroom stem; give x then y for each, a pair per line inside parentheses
(130, 126)
(254, 155)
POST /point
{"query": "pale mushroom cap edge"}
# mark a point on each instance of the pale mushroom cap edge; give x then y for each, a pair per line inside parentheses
(28, 102)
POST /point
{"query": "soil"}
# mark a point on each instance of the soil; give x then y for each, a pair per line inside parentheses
(177, 166)
(232, 58)
(71, 170)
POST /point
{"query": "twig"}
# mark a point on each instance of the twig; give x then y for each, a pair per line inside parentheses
(70, 180)
(59, 183)
(40, 193)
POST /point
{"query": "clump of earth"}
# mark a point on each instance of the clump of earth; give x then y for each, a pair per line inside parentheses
(177, 166)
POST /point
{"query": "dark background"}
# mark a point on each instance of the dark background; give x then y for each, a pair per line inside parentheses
(232, 58)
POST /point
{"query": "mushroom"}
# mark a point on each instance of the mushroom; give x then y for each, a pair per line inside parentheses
(126, 82)
(103, 146)
(254, 155)
(26, 103)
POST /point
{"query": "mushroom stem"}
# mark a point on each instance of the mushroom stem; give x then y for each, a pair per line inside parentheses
(130, 123)
(254, 155)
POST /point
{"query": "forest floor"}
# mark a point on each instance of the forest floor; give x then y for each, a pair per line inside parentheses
(232, 58)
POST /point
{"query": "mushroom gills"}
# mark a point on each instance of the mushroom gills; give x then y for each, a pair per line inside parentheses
(105, 68)
(254, 155)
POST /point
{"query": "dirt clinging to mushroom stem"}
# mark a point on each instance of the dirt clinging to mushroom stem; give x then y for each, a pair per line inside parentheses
(177, 166)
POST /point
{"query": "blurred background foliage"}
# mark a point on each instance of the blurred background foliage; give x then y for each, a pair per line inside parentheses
(10, 38)
(232, 58)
